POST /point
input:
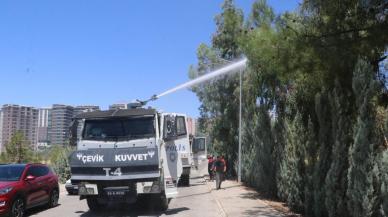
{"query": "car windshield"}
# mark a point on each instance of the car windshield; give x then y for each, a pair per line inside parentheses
(115, 129)
(11, 172)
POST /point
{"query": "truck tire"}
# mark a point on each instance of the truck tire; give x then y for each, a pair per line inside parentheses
(163, 202)
(94, 205)
(184, 180)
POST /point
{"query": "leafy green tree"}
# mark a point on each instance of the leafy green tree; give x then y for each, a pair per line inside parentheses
(17, 150)
(59, 161)
(261, 15)
(219, 109)
(302, 68)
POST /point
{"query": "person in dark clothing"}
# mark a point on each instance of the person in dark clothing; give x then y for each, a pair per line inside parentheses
(224, 161)
(219, 167)
(210, 167)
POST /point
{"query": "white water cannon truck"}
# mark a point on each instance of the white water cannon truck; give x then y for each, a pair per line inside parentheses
(123, 154)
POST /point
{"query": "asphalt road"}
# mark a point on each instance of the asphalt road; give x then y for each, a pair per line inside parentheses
(192, 201)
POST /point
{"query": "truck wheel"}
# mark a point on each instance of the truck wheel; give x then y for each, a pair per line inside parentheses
(94, 205)
(184, 180)
(187, 181)
(163, 202)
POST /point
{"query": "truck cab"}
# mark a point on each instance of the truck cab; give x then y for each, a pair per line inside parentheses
(122, 154)
(199, 153)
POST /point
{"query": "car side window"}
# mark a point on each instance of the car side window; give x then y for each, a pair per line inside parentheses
(43, 170)
(33, 171)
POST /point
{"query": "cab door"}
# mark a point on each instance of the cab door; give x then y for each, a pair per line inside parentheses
(169, 155)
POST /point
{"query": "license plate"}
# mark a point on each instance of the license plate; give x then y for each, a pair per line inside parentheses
(115, 193)
(88, 189)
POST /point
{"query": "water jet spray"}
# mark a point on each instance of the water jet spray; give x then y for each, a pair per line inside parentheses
(230, 68)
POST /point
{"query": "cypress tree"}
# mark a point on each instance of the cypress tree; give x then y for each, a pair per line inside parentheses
(384, 184)
(310, 162)
(322, 166)
(292, 166)
(336, 179)
(361, 178)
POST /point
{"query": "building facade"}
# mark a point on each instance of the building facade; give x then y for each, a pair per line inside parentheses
(44, 123)
(61, 117)
(17, 118)
(191, 126)
(1, 130)
(60, 121)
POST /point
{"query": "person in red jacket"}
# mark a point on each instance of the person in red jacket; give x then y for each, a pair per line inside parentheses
(220, 169)
(210, 167)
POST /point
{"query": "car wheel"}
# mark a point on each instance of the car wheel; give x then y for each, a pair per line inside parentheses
(54, 198)
(17, 208)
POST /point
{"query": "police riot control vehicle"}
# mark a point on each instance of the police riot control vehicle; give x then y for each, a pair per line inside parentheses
(123, 154)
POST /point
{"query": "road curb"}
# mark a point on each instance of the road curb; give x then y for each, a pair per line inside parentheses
(221, 208)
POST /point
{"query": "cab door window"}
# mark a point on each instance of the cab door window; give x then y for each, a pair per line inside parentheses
(181, 126)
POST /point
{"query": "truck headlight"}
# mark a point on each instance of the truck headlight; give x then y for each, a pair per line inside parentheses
(6, 190)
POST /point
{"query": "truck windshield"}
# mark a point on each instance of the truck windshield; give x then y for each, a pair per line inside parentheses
(116, 129)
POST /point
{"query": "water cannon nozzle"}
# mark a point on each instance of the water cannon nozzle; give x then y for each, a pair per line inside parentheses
(154, 97)
(144, 102)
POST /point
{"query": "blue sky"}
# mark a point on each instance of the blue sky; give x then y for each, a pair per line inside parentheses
(101, 52)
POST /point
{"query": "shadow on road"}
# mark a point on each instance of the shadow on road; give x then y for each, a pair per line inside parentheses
(261, 211)
(35, 211)
(193, 195)
(130, 212)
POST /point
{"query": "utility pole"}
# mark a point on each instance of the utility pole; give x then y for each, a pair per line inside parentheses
(239, 131)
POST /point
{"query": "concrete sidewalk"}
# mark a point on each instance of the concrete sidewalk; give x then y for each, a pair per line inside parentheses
(237, 200)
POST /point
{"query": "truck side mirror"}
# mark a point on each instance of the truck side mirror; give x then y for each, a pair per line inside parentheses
(73, 132)
(169, 128)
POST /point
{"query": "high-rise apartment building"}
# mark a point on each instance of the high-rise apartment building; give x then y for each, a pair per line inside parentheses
(18, 118)
(44, 122)
(1, 130)
(61, 117)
